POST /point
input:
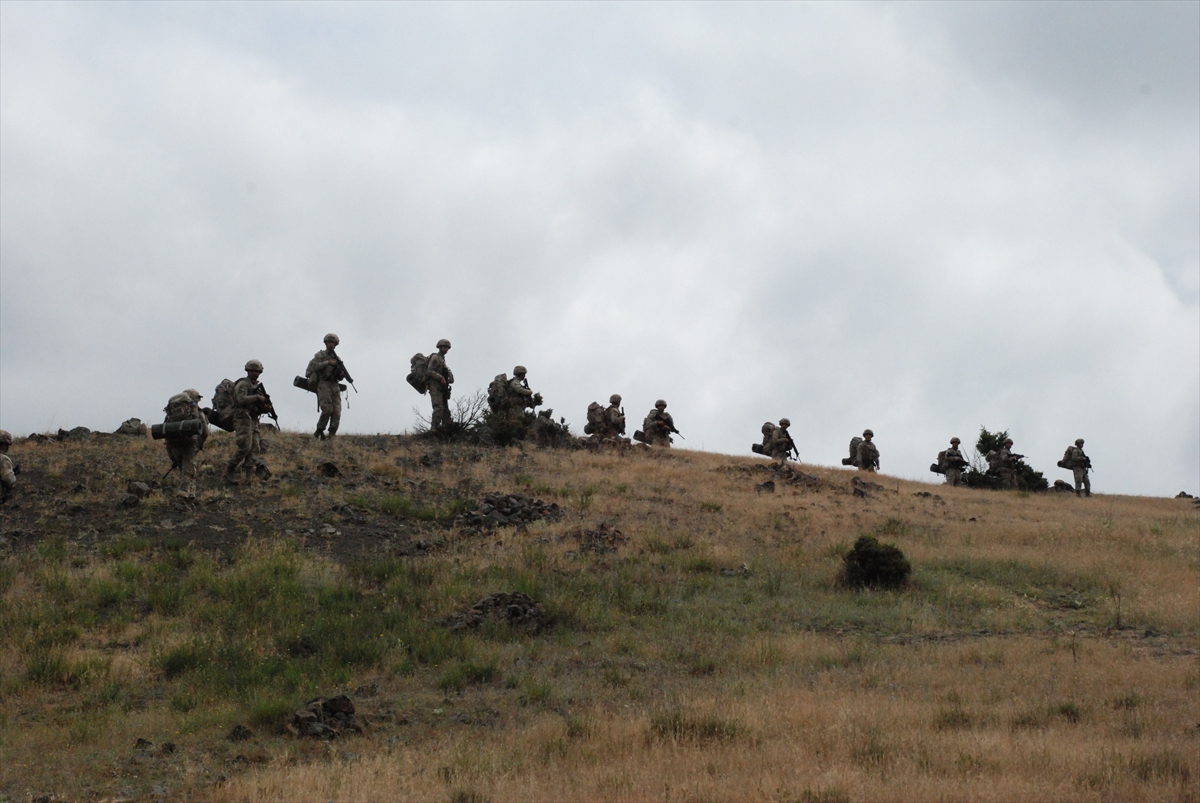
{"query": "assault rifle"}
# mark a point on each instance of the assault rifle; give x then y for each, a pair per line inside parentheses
(268, 406)
(346, 373)
(792, 445)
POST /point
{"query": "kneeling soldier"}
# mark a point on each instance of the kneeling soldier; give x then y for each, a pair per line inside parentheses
(658, 426)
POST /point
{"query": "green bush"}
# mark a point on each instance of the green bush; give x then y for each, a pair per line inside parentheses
(871, 564)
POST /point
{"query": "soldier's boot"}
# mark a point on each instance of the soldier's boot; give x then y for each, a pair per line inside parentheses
(332, 431)
(231, 476)
(319, 435)
(262, 471)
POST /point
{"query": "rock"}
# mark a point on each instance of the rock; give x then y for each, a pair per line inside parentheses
(240, 733)
(766, 487)
(516, 609)
(167, 749)
(38, 437)
(1180, 495)
(138, 489)
(158, 790)
(328, 469)
(133, 427)
(367, 691)
(507, 510)
(76, 434)
(130, 500)
(1062, 487)
(143, 744)
(339, 705)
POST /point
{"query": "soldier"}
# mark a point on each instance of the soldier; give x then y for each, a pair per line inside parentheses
(768, 431)
(519, 394)
(868, 453)
(1003, 464)
(658, 426)
(953, 463)
(250, 400)
(438, 379)
(614, 418)
(781, 443)
(8, 475)
(182, 449)
(1079, 463)
(327, 371)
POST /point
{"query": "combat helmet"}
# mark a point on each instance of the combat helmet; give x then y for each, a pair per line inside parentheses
(868, 433)
(1008, 442)
(519, 370)
(5, 437)
(615, 398)
(443, 343)
(784, 422)
(1079, 441)
(254, 365)
(193, 394)
(332, 338)
(955, 440)
(660, 403)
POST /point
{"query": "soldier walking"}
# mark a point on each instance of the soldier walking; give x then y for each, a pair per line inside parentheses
(326, 370)
(953, 463)
(182, 449)
(438, 379)
(250, 400)
(1080, 464)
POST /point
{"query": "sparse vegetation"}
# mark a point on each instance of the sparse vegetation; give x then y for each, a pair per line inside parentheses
(711, 649)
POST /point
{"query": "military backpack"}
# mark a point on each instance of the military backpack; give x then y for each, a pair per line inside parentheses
(416, 374)
(595, 419)
(852, 460)
(497, 393)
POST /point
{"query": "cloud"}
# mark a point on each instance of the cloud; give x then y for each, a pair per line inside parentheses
(852, 215)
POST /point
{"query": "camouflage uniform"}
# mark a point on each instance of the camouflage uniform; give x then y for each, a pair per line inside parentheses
(247, 407)
(8, 477)
(658, 426)
(329, 391)
(519, 394)
(1079, 463)
(1003, 463)
(614, 419)
(182, 451)
(438, 379)
(868, 453)
(954, 463)
(780, 444)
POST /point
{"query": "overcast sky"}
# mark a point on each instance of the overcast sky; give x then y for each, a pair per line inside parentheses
(919, 218)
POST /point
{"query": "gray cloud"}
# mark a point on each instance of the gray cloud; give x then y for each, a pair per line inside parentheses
(915, 218)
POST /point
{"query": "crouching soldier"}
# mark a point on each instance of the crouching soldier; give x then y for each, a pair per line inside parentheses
(182, 447)
(768, 430)
(657, 427)
(8, 475)
(250, 400)
(1080, 464)
(781, 444)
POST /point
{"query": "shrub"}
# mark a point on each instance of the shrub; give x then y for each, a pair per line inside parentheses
(875, 565)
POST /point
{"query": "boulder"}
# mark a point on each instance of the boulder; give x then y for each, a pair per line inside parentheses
(133, 427)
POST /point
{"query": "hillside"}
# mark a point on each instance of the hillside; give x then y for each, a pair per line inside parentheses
(685, 636)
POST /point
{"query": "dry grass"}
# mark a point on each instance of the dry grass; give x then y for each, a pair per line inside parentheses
(1045, 649)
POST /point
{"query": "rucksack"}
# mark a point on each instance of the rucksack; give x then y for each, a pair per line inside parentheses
(498, 392)
(852, 460)
(223, 395)
(181, 408)
(595, 418)
(416, 374)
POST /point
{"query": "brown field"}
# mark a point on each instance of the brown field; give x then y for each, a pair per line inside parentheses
(1044, 649)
